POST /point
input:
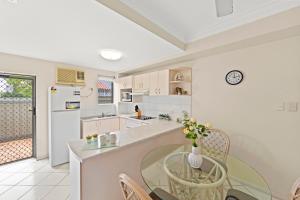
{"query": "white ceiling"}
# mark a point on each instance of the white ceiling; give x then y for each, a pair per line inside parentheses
(72, 31)
(190, 20)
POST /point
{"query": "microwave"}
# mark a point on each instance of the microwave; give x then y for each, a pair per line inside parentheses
(126, 95)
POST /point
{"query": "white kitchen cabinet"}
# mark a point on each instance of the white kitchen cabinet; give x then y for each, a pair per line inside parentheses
(90, 127)
(159, 83)
(141, 82)
(109, 125)
(99, 126)
(122, 124)
(125, 82)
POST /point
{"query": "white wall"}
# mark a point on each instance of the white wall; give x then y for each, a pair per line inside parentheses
(267, 139)
(45, 77)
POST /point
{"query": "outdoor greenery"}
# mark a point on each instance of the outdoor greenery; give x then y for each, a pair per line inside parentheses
(194, 130)
(16, 88)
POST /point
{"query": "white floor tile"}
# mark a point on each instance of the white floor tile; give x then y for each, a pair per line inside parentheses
(53, 179)
(65, 181)
(5, 175)
(31, 180)
(17, 167)
(59, 192)
(34, 167)
(46, 168)
(4, 189)
(61, 168)
(14, 179)
(15, 192)
(34, 179)
(37, 193)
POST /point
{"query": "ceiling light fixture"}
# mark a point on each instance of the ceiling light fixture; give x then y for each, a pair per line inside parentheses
(13, 1)
(110, 54)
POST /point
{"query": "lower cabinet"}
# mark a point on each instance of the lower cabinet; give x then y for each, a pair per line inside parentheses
(90, 127)
(99, 126)
(109, 125)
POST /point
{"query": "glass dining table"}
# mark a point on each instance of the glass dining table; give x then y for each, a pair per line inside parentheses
(155, 170)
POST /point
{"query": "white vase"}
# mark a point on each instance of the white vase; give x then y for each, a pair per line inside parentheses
(195, 158)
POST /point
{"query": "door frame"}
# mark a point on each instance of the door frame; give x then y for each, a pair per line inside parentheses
(33, 79)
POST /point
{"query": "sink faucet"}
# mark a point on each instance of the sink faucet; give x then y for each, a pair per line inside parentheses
(103, 115)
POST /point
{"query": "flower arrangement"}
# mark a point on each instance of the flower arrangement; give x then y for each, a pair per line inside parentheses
(194, 130)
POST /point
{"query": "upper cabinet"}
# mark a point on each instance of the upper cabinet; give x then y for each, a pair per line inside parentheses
(159, 83)
(125, 82)
(141, 82)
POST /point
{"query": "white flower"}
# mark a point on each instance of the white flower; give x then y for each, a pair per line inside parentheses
(193, 120)
(208, 125)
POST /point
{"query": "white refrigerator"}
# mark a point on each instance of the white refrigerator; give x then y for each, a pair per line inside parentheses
(64, 121)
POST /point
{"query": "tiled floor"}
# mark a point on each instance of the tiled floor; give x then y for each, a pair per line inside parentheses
(15, 150)
(32, 180)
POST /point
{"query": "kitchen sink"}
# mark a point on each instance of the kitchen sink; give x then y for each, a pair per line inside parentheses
(98, 116)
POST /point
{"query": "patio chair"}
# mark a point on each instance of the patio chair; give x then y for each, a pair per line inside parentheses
(216, 145)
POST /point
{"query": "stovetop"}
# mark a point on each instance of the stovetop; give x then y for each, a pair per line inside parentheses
(143, 117)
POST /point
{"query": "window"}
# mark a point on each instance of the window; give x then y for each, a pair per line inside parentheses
(105, 89)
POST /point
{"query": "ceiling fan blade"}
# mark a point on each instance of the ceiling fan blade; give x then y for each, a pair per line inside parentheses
(224, 7)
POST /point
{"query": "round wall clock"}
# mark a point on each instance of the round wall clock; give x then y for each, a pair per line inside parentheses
(234, 77)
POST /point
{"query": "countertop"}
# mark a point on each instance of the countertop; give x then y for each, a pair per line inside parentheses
(127, 116)
(127, 137)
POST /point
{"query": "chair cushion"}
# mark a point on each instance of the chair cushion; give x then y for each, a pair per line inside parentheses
(160, 194)
(234, 194)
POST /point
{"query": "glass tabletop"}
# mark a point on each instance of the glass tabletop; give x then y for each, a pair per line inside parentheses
(153, 169)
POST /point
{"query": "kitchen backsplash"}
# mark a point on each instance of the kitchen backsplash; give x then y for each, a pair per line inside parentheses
(155, 105)
(98, 110)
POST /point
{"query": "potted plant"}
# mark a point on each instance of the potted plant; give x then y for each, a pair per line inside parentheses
(195, 132)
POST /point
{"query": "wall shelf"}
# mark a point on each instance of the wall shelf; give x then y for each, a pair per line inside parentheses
(180, 83)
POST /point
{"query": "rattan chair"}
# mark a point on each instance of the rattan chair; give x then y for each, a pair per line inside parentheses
(216, 145)
(131, 190)
(295, 191)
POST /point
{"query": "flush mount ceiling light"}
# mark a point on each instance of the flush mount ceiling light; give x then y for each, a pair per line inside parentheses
(110, 54)
(13, 1)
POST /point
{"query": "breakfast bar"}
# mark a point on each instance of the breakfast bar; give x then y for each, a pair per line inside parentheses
(94, 172)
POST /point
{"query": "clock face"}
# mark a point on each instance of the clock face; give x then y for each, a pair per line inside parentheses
(234, 77)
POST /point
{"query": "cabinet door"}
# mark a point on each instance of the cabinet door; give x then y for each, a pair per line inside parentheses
(122, 124)
(145, 81)
(137, 82)
(109, 125)
(153, 84)
(163, 82)
(90, 128)
(115, 124)
(125, 82)
(128, 82)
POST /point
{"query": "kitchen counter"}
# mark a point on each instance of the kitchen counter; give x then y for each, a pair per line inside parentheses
(127, 137)
(99, 117)
(94, 173)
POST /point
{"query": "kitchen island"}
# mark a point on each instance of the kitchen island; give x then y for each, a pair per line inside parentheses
(94, 173)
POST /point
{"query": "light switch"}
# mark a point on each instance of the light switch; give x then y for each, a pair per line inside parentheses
(292, 106)
(280, 107)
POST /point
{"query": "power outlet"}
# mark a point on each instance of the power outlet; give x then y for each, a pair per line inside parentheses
(292, 106)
